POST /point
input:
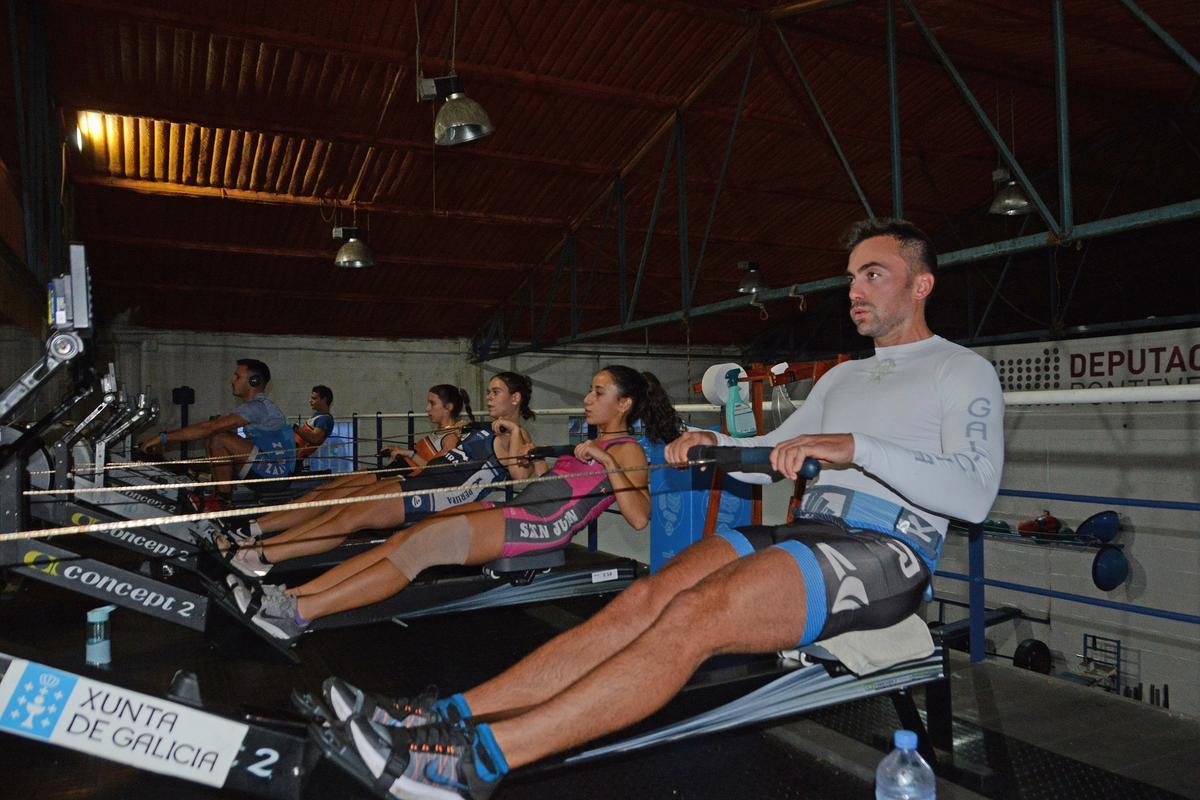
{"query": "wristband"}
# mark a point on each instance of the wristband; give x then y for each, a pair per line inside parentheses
(162, 439)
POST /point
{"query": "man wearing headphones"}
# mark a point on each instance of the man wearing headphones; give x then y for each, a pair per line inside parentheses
(268, 450)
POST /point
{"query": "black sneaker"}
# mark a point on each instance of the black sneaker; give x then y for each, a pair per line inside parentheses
(433, 762)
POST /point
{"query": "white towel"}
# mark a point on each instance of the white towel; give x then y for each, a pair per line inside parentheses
(865, 652)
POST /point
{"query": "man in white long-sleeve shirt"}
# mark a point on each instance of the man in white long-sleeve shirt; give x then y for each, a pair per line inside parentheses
(907, 438)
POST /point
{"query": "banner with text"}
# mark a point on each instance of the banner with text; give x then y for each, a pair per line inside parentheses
(1161, 358)
(107, 721)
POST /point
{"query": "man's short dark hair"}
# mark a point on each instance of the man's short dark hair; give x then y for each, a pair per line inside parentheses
(324, 392)
(254, 367)
(916, 247)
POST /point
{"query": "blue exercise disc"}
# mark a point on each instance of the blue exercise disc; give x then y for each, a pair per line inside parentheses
(1110, 567)
(1103, 526)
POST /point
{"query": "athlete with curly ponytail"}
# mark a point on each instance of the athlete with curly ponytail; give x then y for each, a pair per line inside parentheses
(609, 469)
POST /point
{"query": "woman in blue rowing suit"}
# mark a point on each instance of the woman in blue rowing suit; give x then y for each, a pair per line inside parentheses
(608, 470)
(479, 456)
(448, 409)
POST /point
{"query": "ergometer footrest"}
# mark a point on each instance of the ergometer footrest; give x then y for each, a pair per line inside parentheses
(223, 596)
(336, 745)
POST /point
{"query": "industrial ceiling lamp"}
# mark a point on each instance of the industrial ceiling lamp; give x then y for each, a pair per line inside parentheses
(460, 119)
(1010, 199)
(354, 254)
(752, 280)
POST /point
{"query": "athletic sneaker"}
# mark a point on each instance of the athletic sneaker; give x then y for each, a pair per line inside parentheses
(233, 580)
(250, 562)
(431, 762)
(347, 700)
(281, 620)
(268, 594)
(240, 533)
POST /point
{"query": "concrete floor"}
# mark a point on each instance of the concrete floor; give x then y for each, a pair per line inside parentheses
(1033, 729)
(1123, 736)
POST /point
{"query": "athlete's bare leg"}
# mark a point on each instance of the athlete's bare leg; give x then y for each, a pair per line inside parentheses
(568, 657)
(228, 453)
(372, 577)
(330, 529)
(753, 605)
(338, 487)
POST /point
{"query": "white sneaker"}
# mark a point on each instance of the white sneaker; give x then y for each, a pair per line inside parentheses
(249, 561)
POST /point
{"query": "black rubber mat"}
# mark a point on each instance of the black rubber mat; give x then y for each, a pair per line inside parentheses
(236, 670)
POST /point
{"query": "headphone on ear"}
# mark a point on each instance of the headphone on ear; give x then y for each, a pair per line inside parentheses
(255, 380)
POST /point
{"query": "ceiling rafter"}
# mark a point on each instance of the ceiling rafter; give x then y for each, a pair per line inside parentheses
(278, 199)
(199, 114)
(302, 253)
(323, 298)
(491, 266)
(786, 10)
(966, 63)
(358, 51)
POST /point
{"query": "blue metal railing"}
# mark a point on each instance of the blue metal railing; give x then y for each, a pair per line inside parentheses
(1175, 505)
(977, 581)
(1077, 598)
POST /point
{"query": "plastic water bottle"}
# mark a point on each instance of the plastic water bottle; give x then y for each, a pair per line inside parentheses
(903, 774)
(781, 402)
(98, 652)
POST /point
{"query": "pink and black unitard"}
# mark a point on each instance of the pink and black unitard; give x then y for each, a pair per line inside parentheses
(545, 515)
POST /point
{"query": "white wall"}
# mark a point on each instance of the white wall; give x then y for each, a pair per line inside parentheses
(366, 375)
(1147, 451)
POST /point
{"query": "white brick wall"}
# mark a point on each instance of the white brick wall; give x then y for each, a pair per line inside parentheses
(1148, 451)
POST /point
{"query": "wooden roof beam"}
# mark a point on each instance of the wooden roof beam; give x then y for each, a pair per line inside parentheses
(323, 299)
(303, 253)
(199, 114)
(321, 45)
(278, 199)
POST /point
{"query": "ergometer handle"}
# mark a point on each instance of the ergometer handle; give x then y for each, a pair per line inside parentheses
(550, 451)
(746, 459)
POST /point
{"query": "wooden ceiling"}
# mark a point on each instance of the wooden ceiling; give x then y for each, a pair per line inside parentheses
(223, 140)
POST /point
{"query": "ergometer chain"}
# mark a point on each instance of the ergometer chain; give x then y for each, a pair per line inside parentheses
(46, 533)
(133, 466)
(388, 471)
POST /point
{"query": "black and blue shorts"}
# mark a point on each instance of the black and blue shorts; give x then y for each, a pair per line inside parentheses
(854, 579)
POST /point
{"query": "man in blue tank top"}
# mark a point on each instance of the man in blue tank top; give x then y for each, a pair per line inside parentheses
(269, 449)
(313, 432)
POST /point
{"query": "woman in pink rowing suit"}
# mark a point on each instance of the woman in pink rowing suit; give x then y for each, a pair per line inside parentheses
(608, 470)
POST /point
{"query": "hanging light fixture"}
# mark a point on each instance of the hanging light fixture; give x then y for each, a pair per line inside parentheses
(354, 254)
(460, 119)
(1010, 199)
(752, 280)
